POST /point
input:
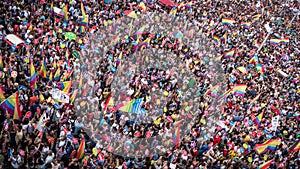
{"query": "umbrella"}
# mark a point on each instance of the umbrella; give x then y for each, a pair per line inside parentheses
(70, 35)
(130, 13)
(75, 54)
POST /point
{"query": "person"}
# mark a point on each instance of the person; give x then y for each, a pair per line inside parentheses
(49, 132)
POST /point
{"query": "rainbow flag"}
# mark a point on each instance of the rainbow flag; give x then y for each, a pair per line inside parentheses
(51, 8)
(295, 147)
(246, 24)
(217, 40)
(2, 97)
(257, 120)
(127, 106)
(65, 9)
(85, 20)
(266, 164)
(80, 151)
(72, 99)
(9, 104)
(130, 13)
(1, 62)
(280, 40)
(242, 69)
(133, 106)
(240, 89)
(229, 54)
(176, 137)
(43, 71)
(212, 91)
(227, 21)
(57, 75)
(33, 77)
(266, 146)
(108, 102)
(259, 68)
(173, 13)
(51, 76)
(254, 59)
(65, 86)
(189, 5)
(17, 112)
(143, 7)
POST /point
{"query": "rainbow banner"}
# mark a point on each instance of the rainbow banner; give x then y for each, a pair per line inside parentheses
(266, 164)
(239, 89)
(257, 120)
(266, 146)
(80, 151)
(133, 106)
(33, 77)
(227, 21)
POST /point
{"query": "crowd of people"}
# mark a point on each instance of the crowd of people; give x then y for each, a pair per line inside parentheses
(79, 51)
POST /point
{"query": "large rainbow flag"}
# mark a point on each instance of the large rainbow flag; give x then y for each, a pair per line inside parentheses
(132, 106)
(266, 146)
